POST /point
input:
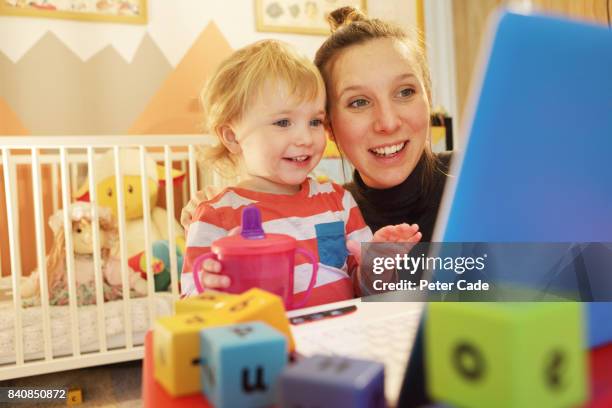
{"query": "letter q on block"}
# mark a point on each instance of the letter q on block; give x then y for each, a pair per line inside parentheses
(331, 382)
(241, 364)
(506, 355)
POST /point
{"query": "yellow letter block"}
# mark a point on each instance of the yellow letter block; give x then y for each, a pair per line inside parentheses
(204, 302)
(257, 304)
(176, 351)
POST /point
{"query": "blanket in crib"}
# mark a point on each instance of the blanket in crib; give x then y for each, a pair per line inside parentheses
(114, 323)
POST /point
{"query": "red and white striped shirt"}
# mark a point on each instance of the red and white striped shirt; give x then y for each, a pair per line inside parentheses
(321, 217)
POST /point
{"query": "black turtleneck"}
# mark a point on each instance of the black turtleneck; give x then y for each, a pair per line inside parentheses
(409, 202)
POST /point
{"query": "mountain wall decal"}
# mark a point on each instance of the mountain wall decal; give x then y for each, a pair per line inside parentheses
(174, 109)
(55, 93)
(10, 124)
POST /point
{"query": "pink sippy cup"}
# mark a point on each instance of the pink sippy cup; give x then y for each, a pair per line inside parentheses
(256, 259)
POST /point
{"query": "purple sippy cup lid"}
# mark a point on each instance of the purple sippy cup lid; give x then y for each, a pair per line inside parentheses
(253, 241)
(251, 223)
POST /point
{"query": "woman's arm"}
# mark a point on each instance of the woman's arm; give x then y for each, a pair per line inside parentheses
(189, 210)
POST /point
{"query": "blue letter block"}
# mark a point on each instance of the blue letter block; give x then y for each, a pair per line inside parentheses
(333, 381)
(599, 323)
(241, 364)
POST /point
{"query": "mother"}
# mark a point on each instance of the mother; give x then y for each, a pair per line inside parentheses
(378, 106)
(379, 99)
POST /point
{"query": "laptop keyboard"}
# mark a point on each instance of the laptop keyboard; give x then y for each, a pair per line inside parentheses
(387, 340)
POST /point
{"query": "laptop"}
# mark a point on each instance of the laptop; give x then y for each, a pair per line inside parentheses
(534, 166)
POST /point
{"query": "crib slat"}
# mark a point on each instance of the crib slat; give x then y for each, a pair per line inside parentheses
(41, 253)
(54, 184)
(93, 198)
(10, 188)
(171, 229)
(127, 318)
(184, 183)
(69, 253)
(146, 209)
(193, 175)
(74, 176)
(16, 204)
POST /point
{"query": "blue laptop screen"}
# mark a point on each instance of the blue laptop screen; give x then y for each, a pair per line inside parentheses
(538, 163)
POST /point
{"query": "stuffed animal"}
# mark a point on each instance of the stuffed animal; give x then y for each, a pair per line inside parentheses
(82, 240)
(104, 172)
(160, 262)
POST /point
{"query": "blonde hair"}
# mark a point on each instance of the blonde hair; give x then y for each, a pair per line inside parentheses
(351, 27)
(239, 81)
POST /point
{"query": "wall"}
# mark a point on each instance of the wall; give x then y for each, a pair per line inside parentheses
(469, 18)
(68, 77)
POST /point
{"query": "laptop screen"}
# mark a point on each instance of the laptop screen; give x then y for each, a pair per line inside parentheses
(536, 165)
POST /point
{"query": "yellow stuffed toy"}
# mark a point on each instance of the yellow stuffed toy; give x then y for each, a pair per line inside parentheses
(104, 172)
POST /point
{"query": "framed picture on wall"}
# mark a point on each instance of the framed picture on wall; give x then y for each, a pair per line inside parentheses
(114, 11)
(298, 16)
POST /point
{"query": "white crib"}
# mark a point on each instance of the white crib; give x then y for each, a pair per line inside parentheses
(98, 334)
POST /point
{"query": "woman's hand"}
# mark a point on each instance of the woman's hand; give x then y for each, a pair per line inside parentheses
(402, 233)
(189, 209)
(398, 233)
(401, 239)
(200, 196)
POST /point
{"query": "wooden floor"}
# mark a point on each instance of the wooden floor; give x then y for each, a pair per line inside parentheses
(116, 385)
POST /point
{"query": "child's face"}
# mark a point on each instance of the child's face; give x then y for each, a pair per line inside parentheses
(280, 139)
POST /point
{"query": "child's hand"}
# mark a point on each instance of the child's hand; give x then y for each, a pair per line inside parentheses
(212, 269)
(390, 233)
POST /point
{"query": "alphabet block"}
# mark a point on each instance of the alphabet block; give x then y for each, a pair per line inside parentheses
(599, 321)
(205, 302)
(177, 351)
(333, 381)
(257, 304)
(506, 355)
(241, 364)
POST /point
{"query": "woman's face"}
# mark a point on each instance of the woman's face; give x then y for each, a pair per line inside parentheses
(379, 110)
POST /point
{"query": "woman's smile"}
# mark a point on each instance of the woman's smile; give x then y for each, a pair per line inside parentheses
(388, 150)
